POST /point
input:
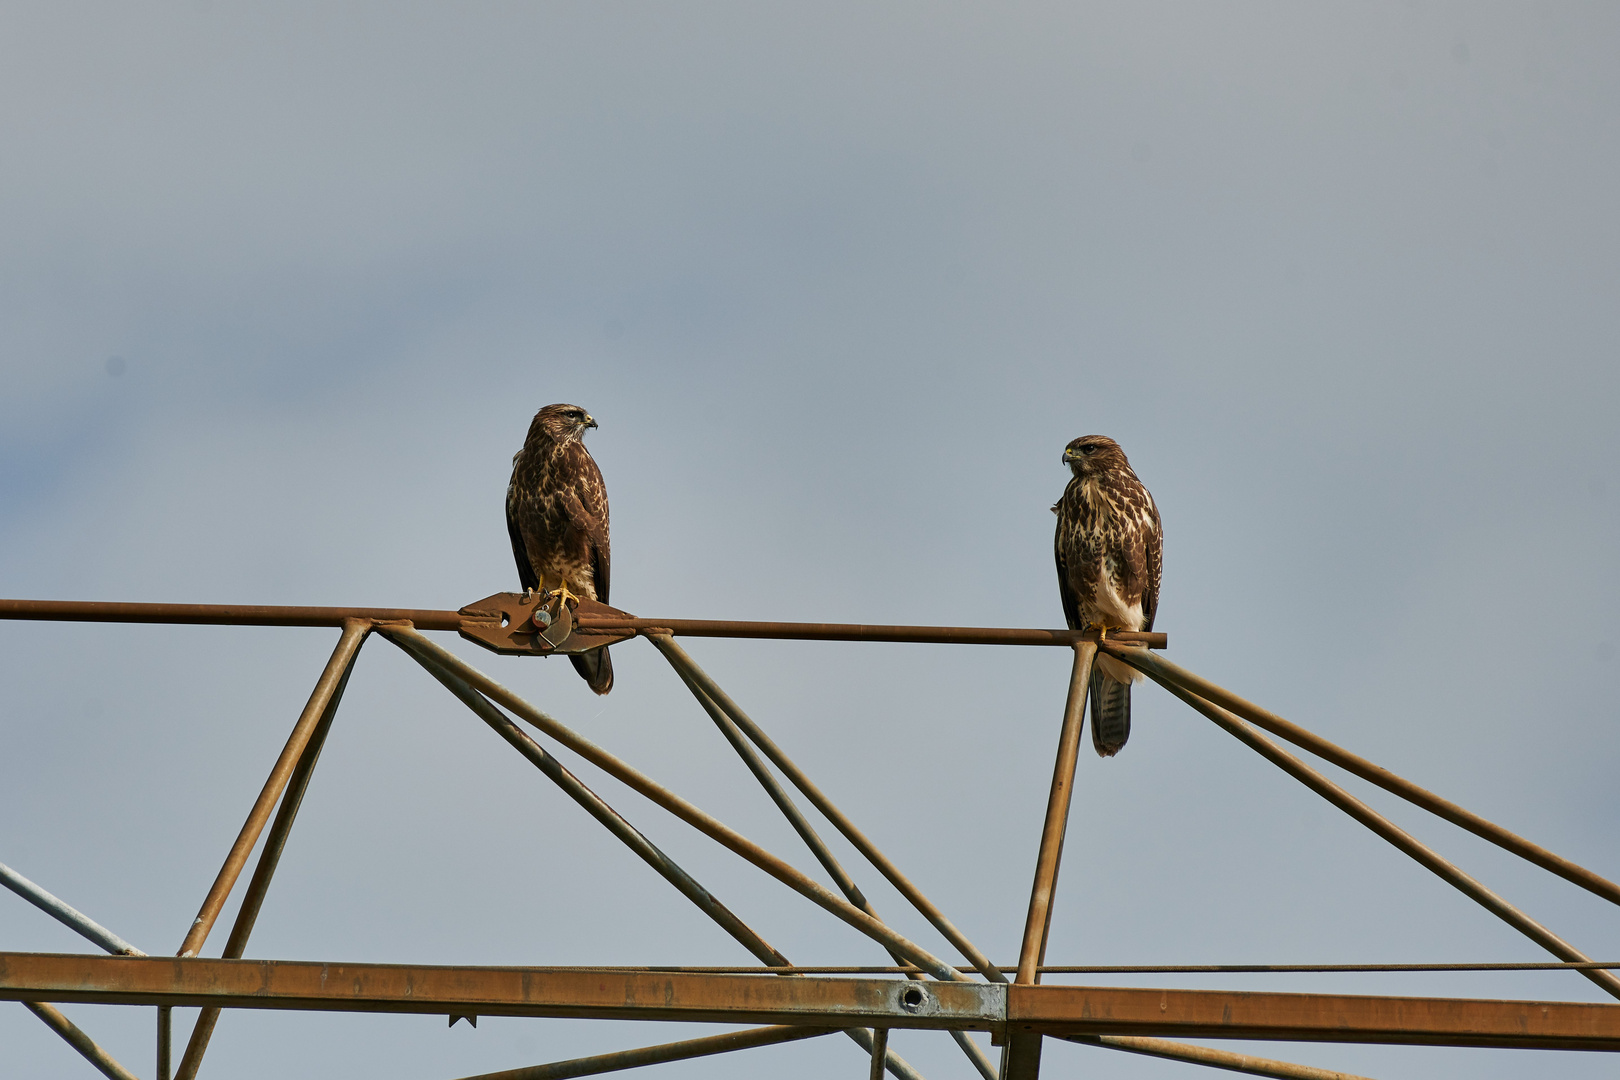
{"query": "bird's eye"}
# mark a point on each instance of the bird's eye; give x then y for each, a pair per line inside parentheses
(1087, 449)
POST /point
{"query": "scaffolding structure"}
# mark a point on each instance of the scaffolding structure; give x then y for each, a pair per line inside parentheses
(921, 990)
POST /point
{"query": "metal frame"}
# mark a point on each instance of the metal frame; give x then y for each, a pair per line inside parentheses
(923, 990)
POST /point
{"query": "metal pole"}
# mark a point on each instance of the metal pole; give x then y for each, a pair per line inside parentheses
(601, 811)
(1033, 952)
(84, 925)
(880, 1050)
(1387, 829)
(354, 632)
(684, 664)
(77, 1039)
(657, 1055)
(65, 914)
(165, 1040)
(269, 858)
(416, 644)
(1021, 1060)
(1166, 673)
(1219, 1059)
(628, 834)
(796, 818)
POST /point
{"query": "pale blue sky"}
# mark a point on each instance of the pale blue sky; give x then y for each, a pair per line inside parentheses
(280, 288)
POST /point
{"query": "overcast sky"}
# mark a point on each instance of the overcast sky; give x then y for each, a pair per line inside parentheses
(281, 287)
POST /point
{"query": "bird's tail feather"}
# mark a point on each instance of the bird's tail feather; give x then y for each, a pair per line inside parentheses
(1110, 714)
(596, 668)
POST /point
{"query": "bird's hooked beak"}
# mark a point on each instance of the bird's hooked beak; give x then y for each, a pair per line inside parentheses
(1069, 455)
(590, 421)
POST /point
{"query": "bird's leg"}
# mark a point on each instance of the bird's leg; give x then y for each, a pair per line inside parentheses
(566, 595)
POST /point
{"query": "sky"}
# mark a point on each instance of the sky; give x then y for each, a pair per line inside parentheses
(281, 285)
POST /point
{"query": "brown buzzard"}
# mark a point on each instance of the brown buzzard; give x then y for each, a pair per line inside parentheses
(557, 515)
(1110, 549)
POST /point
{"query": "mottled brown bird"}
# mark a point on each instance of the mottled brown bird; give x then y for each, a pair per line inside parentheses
(557, 515)
(1110, 551)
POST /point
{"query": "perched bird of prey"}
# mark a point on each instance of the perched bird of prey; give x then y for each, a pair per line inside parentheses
(1110, 550)
(557, 515)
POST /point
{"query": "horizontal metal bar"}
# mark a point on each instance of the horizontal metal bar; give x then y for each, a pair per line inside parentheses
(1164, 672)
(600, 993)
(586, 993)
(657, 1055)
(927, 635)
(221, 614)
(1084, 1010)
(75, 1037)
(65, 913)
(436, 619)
(1151, 969)
(1218, 1059)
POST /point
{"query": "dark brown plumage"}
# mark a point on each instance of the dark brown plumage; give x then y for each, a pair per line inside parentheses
(1110, 551)
(557, 515)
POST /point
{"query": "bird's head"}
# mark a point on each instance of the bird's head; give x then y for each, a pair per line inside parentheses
(561, 423)
(1090, 455)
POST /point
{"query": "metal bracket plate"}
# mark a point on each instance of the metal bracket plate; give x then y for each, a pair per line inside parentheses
(507, 623)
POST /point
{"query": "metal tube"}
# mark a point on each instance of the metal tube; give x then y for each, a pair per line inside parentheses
(601, 811)
(65, 914)
(684, 664)
(1219, 1059)
(657, 1055)
(1164, 672)
(417, 645)
(926, 635)
(1056, 825)
(796, 818)
(253, 900)
(880, 1051)
(1387, 829)
(438, 619)
(768, 781)
(604, 813)
(899, 1067)
(221, 614)
(77, 1039)
(165, 1040)
(354, 633)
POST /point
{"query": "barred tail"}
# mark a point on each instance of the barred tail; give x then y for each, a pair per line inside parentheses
(596, 668)
(1110, 714)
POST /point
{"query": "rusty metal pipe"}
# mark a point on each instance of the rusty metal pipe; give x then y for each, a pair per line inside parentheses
(1219, 1059)
(772, 786)
(417, 645)
(354, 633)
(880, 1050)
(657, 1055)
(684, 664)
(1165, 673)
(790, 810)
(65, 913)
(598, 808)
(85, 926)
(165, 1040)
(220, 614)
(1036, 925)
(76, 1038)
(1397, 836)
(258, 885)
(924, 635)
(438, 619)
(627, 833)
